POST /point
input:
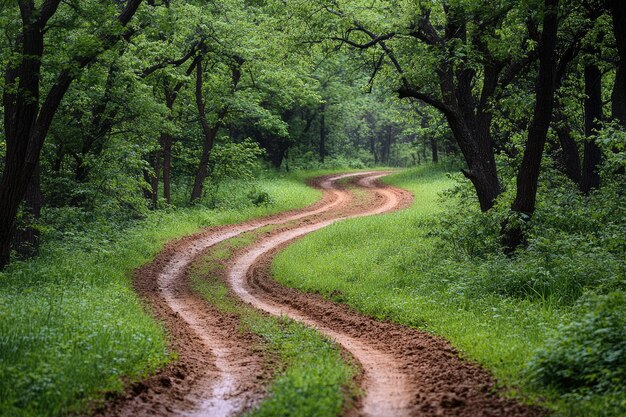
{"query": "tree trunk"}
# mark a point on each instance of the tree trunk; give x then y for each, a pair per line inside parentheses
(479, 155)
(210, 132)
(26, 241)
(209, 138)
(166, 149)
(593, 115)
(571, 158)
(166, 140)
(527, 178)
(386, 149)
(155, 158)
(322, 149)
(434, 151)
(26, 123)
(618, 99)
(278, 152)
(373, 149)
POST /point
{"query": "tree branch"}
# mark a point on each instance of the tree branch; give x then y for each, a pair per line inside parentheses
(406, 91)
(373, 42)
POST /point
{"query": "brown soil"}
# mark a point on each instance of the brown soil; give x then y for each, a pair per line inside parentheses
(218, 372)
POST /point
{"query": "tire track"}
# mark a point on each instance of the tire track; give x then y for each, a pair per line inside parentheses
(216, 376)
(225, 399)
(388, 391)
(404, 372)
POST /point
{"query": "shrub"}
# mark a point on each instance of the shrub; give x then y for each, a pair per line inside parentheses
(589, 353)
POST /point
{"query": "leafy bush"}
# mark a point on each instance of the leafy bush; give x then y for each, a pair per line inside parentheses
(587, 355)
(575, 244)
(259, 198)
(462, 228)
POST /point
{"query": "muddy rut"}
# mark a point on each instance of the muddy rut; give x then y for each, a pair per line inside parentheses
(218, 372)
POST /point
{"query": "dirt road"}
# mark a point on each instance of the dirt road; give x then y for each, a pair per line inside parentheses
(218, 373)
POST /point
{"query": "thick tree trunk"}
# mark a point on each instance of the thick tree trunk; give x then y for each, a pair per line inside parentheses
(593, 115)
(479, 155)
(21, 105)
(527, 178)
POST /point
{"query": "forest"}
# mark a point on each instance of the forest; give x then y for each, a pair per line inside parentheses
(313, 208)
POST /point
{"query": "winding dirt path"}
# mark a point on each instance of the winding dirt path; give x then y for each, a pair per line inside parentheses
(387, 387)
(218, 373)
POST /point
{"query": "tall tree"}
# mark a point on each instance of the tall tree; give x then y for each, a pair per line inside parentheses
(590, 177)
(528, 175)
(210, 131)
(435, 51)
(27, 118)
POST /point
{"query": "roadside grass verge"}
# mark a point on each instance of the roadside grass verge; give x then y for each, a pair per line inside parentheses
(71, 327)
(311, 378)
(396, 267)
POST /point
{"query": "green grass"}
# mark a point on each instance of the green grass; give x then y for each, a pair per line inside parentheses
(390, 267)
(312, 378)
(70, 323)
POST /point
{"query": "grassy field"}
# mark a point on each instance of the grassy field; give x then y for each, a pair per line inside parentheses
(70, 324)
(311, 377)
(391, 267)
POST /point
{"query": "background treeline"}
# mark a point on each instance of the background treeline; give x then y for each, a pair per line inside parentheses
(111, 108)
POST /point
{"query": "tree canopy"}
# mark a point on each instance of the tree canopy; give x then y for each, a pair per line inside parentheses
(121, 105)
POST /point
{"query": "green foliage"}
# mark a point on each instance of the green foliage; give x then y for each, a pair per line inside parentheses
(437, 266)
(575, 243)
(585, 360)
(235, 161)
(588, 353)
(232, 161)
